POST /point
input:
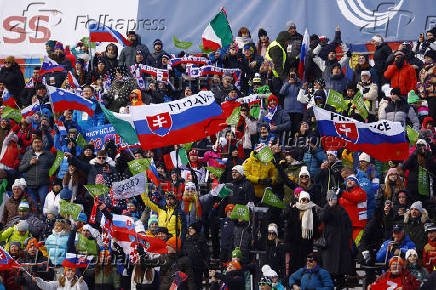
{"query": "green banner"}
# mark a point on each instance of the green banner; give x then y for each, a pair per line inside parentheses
(233, 119)
(412, 134)
(57, 163)
(255, 111)
(81, 141)
(139, 165)
(97, 189)
(181, 44)
(240, 212)
(10, 113)
(86, 246)
(69, 208)
(265, 155)
(263, 90)
(359, 102)
(423, 182)
(271, 199)
(336, 100)
(187, 146)
(217, 171)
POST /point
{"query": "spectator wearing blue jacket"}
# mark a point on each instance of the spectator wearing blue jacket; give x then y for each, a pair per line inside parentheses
(82, 119)
(311, 277)
(399, 242)
(292, 106)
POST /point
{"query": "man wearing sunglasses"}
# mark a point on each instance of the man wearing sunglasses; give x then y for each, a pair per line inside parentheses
(312, 276)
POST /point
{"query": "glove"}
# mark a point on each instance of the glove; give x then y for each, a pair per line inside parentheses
(399, 63)
(349, 54)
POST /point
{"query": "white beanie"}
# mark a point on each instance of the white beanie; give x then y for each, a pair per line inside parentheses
(17, 183)
(365, 72)
(410, 252)
(239, 168)
(303, 194)
(303, 171)
(22, 182)
(364, 157)
(417, 205)
(86, 228)
(268, 272)
(334, 153)
(273, 228)
(377, 38)
(421, 141)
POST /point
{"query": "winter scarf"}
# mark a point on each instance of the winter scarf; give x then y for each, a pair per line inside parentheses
(307, 219)
(188, 202)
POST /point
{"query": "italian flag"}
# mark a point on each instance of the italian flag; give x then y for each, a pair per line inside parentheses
(221, 190)
(218, 33)
(176, 159)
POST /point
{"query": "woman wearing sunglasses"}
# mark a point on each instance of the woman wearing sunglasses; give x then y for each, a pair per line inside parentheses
(12, 77)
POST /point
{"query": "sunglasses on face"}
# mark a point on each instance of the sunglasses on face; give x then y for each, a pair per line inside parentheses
(101, 158)
(310, 260)
(304, 199)
(304, 176)
(271, 233)
(190, 188)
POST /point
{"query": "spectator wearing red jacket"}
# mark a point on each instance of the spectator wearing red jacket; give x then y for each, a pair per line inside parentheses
(397, 277)
(401, 74)
(353, 199)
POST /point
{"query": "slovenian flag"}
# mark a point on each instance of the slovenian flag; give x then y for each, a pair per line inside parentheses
(62, 100)
(218, 32)
(72, 81)
(176, 159)
(30, 110)
(77, 261)
(178, 122)
(102, 33)
(152, 173)
(6, 261)
(61, 127)
(303, 53)
(49, 65)
(384, 140)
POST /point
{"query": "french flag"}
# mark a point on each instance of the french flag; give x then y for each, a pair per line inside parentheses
(62, 100)
(303, 53)
(72, 81)
(49, 65)
(102, 33)
(30, 110)
(178, 122)
(77, 261)
(9, 100)
(384, 140)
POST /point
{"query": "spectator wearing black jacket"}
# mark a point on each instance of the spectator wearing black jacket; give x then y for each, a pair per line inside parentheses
(243, 190)
(12, 77)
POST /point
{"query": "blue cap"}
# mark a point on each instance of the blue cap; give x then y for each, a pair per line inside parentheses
(66, 194)
(82, 217)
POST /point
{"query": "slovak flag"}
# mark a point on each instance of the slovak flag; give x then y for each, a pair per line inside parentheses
(303, 53)
(62, 100)
(6, 261)
(77, 261)
(152, 173)
(30, 110)
(72, 81)
(49, 65)
(102, 33)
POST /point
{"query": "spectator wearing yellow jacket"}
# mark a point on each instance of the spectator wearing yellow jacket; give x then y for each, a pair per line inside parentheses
(260, 174)
(18, 233)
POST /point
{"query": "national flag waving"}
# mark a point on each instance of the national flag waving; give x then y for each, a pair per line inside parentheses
(177, 122)
(49, 65)
(221, 190)
(9, 100)
(218, 32)
(77, 261)
(72, 81)
(303, 53)
(6, 261)
(102, 33)
(176, 159)
(384, 140)
(152, 173)
(30, 110)
(62, 100)
(271, 199)
(123, 125)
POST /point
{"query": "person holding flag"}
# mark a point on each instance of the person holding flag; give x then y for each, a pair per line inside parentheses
(68, 281)
(278, 120)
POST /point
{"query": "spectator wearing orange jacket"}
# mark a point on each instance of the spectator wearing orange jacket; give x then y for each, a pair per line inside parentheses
(401, 74)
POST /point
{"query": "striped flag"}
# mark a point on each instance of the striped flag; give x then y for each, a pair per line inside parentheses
(218, 32)
(6, 261)
(176, 159)
(72, 81)
(102, 33)
(30, 110)
(77, 261)
(49, 65)
(303, 53)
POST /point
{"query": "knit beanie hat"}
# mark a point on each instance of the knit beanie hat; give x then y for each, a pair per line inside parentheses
(412, 97)
(237, 253)
(22, 226)
(410, 252)
(417, 205)
(303, 194)
(239, 168)
(353, 177)
(331, 195)
(273, 228)
(152, 219)
(303, 171)
(24, 205)
(396, 258)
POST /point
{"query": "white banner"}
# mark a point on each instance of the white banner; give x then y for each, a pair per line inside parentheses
(26, 26)
(133, 186)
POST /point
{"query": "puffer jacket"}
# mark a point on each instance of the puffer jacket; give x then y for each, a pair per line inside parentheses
(255, 170)
(366, 185)
(405, 245)
(10, 209)
(166, 215)
(354, 202)
(243, 192)
(36, 226)
(399, 111)
(316, 278)
(13, 79)
(13, 235)
(290, 92)
(128, 53)
(385, 281)
(56, 245)
(405, 78)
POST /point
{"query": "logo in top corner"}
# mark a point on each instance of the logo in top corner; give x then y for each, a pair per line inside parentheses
(347, 131)
(160, 124)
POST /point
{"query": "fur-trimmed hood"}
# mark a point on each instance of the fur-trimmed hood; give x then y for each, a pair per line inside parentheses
(424, 216)
(109, 160)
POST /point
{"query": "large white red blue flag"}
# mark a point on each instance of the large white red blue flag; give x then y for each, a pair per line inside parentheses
(384, 140)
